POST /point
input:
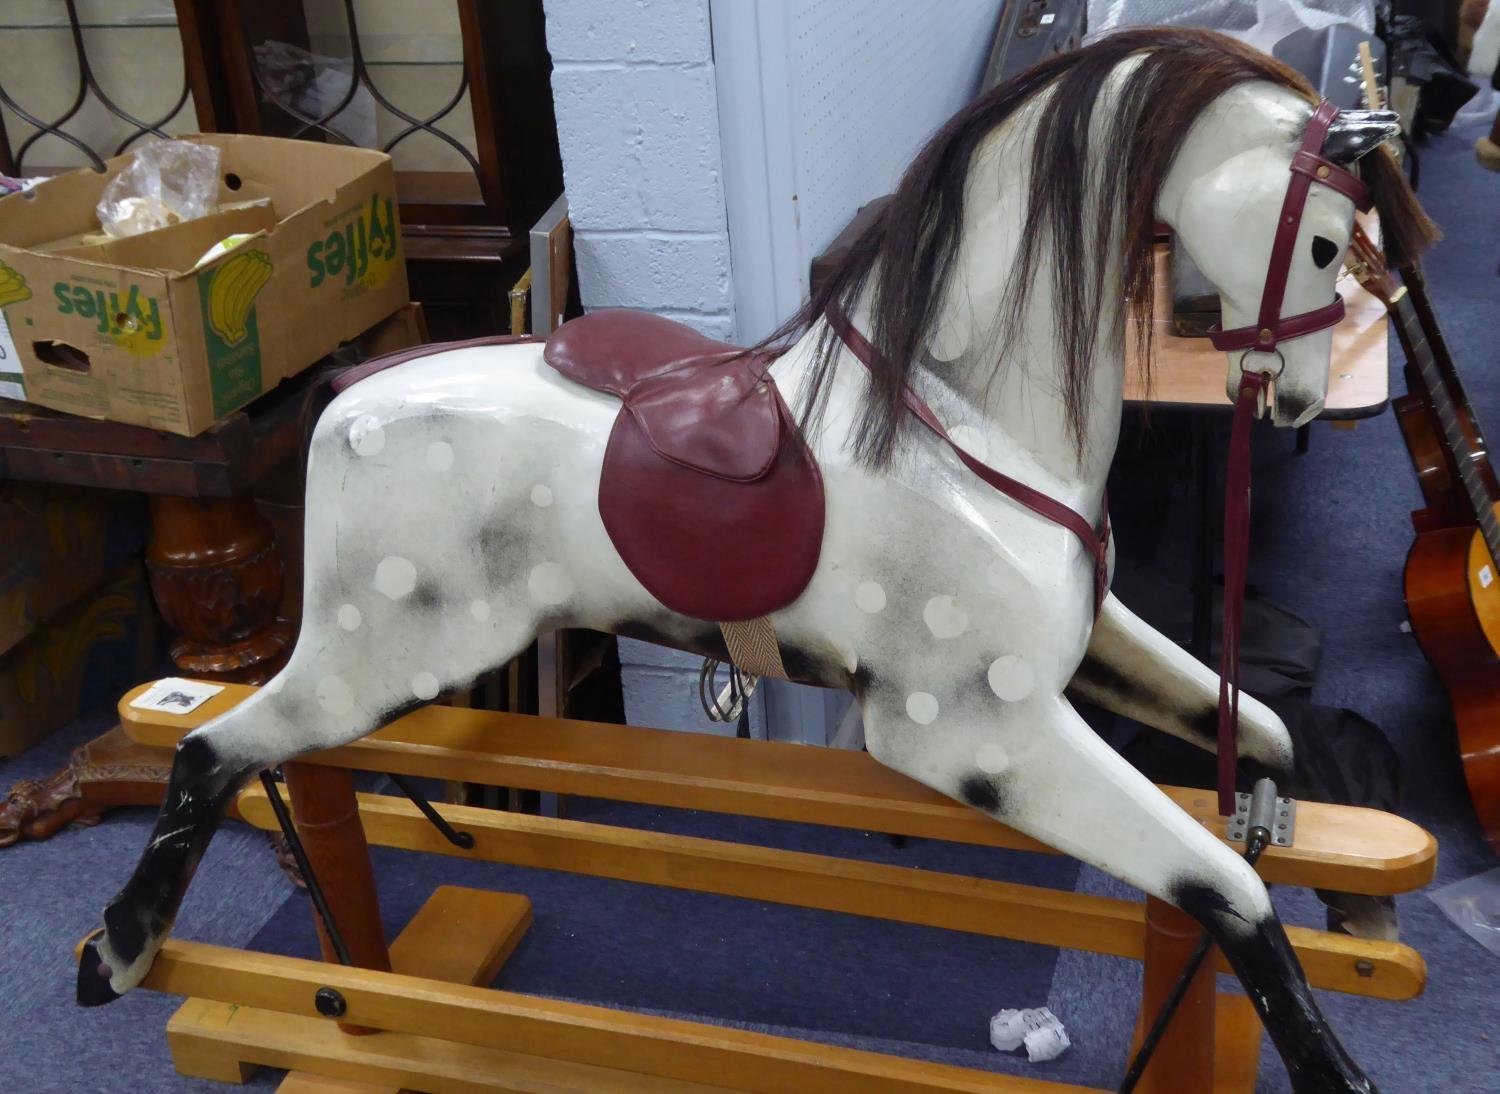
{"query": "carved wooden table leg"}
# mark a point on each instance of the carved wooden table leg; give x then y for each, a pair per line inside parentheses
(218, 577)
(327, 816)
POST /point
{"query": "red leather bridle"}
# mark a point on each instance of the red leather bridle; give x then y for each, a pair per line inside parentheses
(1308, 166)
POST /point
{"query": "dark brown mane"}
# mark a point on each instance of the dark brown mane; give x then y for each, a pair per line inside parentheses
(912, 247)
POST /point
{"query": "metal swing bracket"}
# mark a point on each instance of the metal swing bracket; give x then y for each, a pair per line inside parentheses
(309, 878)
(449, 833)
(1263, 809)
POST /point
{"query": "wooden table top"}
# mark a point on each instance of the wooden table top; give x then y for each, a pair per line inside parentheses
(1189, 373)
(226, 460)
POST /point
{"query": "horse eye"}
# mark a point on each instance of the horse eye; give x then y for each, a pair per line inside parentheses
(1324, 251)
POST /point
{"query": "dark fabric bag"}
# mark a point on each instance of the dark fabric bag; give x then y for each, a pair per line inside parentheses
(1341, 756)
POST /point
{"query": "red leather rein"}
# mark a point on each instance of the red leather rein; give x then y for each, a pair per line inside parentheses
(1095, 540)
(1236, 558)
(1308, 166)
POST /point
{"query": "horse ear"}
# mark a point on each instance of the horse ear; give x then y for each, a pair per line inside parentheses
(1356, 132)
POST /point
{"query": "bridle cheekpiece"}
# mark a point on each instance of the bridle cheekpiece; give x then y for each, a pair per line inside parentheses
(1308, 166)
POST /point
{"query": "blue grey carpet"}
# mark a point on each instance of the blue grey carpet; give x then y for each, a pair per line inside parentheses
(51, 895)
(1331, 533)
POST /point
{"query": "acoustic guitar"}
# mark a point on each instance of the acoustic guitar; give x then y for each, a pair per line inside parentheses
(1452, 578)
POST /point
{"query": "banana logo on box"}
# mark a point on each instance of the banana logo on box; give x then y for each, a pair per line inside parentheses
(232, 294)
(13, 287)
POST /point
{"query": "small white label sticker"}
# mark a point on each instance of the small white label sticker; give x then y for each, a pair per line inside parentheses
(11, 386)
(1486, 579)
(176, 696)
(1048, 19)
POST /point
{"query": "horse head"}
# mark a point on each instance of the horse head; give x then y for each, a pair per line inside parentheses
(1274, 256)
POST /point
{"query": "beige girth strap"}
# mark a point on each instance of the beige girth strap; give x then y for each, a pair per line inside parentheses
(753, 647)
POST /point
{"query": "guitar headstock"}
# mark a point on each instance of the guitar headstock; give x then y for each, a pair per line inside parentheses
(1366, 262)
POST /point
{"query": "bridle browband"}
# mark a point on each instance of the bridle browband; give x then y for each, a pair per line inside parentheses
(1308, 166)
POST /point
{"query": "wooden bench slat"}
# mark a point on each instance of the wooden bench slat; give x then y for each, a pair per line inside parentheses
(1337, 847)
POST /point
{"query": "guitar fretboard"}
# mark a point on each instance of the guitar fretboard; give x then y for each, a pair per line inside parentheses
(1440, 397)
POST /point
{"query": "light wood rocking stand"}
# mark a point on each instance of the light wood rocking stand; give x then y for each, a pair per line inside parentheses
(420, 1016)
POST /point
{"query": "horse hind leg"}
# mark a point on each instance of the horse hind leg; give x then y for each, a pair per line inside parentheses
(1134, 670)
(1037, 766)
(321, 700)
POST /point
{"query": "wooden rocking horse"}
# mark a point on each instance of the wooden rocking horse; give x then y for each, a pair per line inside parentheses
(632, 477)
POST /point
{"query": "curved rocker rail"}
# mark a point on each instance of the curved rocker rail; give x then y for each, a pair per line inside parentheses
(1355, 850)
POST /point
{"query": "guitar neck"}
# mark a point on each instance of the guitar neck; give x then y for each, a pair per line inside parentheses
(1432, 366)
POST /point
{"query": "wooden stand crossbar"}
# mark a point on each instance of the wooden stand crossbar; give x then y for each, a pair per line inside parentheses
(999, 909)
(443, 1031)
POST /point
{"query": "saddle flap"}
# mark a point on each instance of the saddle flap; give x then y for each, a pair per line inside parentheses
(615, 349)
(722, 420)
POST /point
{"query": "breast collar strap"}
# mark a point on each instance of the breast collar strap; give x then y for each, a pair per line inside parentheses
(1095, 539)
(1308, 166)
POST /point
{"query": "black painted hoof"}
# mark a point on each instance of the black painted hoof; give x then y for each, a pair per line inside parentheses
(93, 976)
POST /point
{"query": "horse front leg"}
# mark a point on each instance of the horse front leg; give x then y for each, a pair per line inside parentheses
(1134, 670)
(282, 720)
(333, 691)
(1034, 764)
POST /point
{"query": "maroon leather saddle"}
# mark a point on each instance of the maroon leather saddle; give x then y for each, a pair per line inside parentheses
(709, 492)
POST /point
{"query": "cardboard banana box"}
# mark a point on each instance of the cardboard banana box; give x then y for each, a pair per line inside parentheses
(140, 331)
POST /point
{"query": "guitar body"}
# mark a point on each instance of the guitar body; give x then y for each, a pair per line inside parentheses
(1452, 578)
(1453, 601)
(1434, 466)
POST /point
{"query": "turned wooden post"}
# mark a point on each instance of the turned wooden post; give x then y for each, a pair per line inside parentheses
(1184, 1059)
(218, 576)
(327, 816)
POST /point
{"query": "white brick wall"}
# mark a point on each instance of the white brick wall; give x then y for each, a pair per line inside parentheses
(823, 102)
(637, 119)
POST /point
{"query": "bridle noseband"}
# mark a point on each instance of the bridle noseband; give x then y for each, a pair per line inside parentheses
(1308, 166)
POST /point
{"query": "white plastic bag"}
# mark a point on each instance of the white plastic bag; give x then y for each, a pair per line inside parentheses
(1037, 1029)
(1474, 905)
(166, 183)
(1226, 15)
(1484, 55)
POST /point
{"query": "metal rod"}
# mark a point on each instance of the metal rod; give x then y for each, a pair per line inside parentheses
(1257, 838)
(314, 890)
(451, 834)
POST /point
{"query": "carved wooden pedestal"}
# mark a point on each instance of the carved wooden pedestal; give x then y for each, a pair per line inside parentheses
(218, 576)
(109, 771)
